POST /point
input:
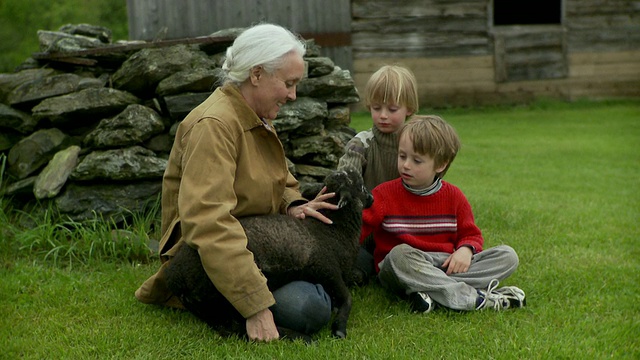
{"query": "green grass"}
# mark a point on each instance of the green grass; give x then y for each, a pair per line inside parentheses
(558, 182)
(20, 21)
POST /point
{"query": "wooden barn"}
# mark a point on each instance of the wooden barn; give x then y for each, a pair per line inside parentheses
(463, 52)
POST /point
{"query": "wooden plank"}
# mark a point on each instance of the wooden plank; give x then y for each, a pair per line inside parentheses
(577, 8)
(576, 59)
(500, 63)
(188, 18)
(462, 62)
(618, 70)
(455, 75)
(606, 90)
(468, 76)
(431, 52)
(417, 8)
(416, 45)
(437, 24)
(449, 72)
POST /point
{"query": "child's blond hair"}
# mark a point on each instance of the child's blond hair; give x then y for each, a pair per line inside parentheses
(392, 84)
(433, 136)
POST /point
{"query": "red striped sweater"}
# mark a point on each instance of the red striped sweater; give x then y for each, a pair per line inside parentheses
(440, 222)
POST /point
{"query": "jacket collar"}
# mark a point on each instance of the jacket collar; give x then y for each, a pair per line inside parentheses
(246, 116)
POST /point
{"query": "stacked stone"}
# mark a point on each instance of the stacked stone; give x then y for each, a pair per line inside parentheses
(91, 135)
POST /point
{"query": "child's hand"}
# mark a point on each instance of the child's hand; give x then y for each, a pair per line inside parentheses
(459, 261)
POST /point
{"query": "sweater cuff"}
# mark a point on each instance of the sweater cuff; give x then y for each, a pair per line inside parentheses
(473, 248)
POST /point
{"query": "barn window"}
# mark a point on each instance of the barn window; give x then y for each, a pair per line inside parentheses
(526, 12)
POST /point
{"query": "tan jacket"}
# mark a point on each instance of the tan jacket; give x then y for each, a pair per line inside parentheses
(224, 164)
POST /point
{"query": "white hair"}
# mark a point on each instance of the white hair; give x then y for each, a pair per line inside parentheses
(263, 44)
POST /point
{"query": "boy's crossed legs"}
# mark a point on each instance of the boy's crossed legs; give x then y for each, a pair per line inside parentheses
(406, 270)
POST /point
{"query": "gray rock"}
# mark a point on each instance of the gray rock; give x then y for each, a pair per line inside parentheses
(320, 66)
(141, 73)
(313, 49)
(199, 80)
(53, 177)
(57, 41)
(305, 117)
(9, 82)
(179, 106)
(132, 163)
(337, 87)
(318, 150)
(97, 32)
(88, 105)
(160, 144)
(21, 187)
(32, 92)
(339, 115)
(19, 121)
(8, 138)
(317, 172)
(108, 200)
(133, 125)
(35, 150)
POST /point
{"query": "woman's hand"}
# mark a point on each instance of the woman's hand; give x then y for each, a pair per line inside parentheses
(311, 208)
(261, 327)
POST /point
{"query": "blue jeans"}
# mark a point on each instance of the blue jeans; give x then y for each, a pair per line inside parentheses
(301, 306)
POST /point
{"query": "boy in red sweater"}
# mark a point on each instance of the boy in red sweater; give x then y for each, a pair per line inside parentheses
(427, 243)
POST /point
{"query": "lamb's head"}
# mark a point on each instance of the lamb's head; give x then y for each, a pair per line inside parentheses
(348, 186)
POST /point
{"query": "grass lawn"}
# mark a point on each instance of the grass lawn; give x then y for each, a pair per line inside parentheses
(558, 182)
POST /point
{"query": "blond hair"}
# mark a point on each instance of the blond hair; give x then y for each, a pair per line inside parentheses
(433, 136)
(392, 84)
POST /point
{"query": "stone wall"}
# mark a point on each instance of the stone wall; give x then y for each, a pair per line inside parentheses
(87, 125)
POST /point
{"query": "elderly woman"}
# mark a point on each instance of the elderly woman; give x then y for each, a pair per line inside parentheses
(227, 162)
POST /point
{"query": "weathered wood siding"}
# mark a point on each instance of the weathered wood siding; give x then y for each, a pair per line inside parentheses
(460, 58)
(529, 52)
(328, 21)
(417, 28)
(602, 26)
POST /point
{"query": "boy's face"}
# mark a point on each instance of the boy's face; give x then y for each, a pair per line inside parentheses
(416, 170)
(388, 117)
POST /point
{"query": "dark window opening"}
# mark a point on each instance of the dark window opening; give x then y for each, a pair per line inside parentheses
(526, 12)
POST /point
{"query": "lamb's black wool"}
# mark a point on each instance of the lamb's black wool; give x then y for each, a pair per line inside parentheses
(285, 249)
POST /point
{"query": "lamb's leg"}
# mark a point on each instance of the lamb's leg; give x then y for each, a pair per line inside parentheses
(334, 285)
(343, 304)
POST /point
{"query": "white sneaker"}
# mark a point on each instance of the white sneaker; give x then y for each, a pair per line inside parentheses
(421, 302)
(500, 299)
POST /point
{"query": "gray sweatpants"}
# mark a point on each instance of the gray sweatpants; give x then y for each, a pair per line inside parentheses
(406, 270)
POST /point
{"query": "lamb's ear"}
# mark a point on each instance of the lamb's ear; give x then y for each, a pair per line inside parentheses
(342, 202)
(345, 195)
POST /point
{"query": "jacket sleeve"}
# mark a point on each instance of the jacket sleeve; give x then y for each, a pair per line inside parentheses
(206, 201)
(291, 194)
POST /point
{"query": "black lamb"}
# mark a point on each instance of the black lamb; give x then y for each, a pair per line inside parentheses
(285, 249)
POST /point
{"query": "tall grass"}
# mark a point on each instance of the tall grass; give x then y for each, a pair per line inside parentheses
(556, 181)
(54, 238)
